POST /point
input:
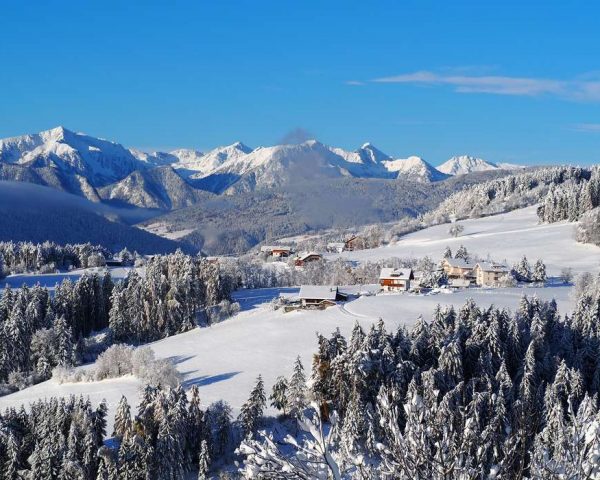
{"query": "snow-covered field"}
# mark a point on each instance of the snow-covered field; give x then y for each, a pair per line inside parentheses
(225, 359)
(508, 236)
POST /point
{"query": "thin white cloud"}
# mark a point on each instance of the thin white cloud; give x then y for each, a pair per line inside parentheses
(587, 127)
(355, 83)
(578, 89)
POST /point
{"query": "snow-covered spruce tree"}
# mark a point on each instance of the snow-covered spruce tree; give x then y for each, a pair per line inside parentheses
(462, 252)
(523, 270)
(296, 393)
(135, 459)
(447, 253)
(122, 425)
(538, 274)
(203, 461)
(218, 417)
(279, 395)
(197, 430)
(66, 350)
(252, 411)
(312, 457)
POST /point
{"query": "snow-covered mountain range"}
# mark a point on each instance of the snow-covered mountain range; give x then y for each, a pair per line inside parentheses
(99, 169)
(463, 164)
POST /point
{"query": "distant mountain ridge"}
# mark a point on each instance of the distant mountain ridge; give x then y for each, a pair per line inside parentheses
(464, 164)
(102, 170)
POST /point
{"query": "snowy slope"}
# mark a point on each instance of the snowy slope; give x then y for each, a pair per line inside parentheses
(367, 153)
(508, 236)
(464, 164)
(510, 166)
(194, 164)
(158, 187)
(225, 359)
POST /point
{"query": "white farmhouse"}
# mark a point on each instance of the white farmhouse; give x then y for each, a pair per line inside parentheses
(395, 279)
(489, 273)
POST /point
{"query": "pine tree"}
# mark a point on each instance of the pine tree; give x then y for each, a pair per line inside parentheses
(203, 461)
(462, 253)
(523, 270)
(66, 353)
(279, 396)
(447, 253)
(297, 390)
(252, 411)
(539, 272)
(122, 426)
(11, 463)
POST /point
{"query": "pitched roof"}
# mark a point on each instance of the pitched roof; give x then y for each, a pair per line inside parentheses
(318, 292)
(459, 262)
(493, 267)
(304, 256)
(270, 248)
(396, 273)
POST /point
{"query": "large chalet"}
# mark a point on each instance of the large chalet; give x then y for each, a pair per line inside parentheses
(458, 268)
(489, 273)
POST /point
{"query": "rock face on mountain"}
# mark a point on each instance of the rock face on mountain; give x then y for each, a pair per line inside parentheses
(159, 187)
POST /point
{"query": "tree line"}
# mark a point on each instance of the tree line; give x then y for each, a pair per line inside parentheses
(39, 331)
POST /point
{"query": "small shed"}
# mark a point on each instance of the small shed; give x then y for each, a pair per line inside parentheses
(320, 296)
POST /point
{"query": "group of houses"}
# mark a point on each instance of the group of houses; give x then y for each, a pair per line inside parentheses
(462, 273)
(280, 252)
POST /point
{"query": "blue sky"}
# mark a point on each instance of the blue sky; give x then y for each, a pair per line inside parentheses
(502, 80)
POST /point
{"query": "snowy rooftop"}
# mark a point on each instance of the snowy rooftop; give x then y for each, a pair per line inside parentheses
(493, 267)
(270, 248)
(321, 292)
(459, 262)
(304, 256)
(395, 273)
